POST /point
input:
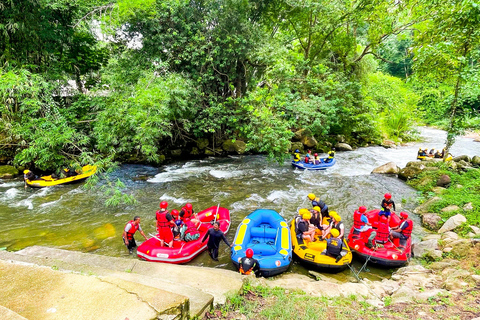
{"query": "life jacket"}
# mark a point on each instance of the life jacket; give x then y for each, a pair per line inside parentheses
(132, 230)
(338, 226)
(334, 247)
(162, 219)
(382, 233)
(296, 157)
(408, 230)
(191, 229)
(307, 159)
(357, 220)
(331, 154)
(248, 264)
(186, 213)
(297, 231)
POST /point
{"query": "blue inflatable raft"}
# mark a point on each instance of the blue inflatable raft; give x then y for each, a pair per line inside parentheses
(310, 166)
(267, 233)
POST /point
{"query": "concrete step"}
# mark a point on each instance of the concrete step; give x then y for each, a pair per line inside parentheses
(7, 314)
(41, 293)
(203, 286)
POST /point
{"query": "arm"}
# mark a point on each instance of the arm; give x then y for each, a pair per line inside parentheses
(226, 241)
(125, 240)
(393, 205)
(206, 235)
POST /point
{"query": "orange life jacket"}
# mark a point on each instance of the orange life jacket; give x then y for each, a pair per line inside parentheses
(162, 219)
(382, 233)
(132, 230)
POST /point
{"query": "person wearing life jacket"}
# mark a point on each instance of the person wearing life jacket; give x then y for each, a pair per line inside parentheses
(331, 155)
(404, 230)
(316, 159)
(296, 156)
(164, 223)
(304, 230)
(334, 245)
(387, 204)
(308, 157)
(248, 265)
(188, 231)
(360, 221)
(316, 219)
(28, 175)
(129, 231)
(337, 224)
(188, 213)
(383, 232)
(317, 202)
(437, 155)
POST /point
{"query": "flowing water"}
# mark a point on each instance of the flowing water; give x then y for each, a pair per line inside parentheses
(73, 218)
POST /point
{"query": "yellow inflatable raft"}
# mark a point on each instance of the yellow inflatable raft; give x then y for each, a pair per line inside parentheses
(47, 181)
(310, 253)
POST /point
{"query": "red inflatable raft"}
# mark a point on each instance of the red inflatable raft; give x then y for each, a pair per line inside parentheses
(390, 255)
(182, 251)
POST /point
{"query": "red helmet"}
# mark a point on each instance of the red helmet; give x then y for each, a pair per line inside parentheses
(388, 196)
(404, 215)
(175, 212)
(362, 209)
(163, 205)
(383, 219)
(249, 253)
(316, 154)
(188, 206)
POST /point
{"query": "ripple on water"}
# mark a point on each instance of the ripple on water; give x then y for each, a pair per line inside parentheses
(176, 173)
(176, 200)
(222, 174)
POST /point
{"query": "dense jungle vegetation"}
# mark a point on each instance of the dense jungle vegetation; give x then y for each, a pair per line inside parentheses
(152, 75)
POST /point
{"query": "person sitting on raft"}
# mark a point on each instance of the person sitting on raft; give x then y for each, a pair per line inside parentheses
(296, 156)
(188, 231)
(360, 221)
(331, 155)
(334, 246)
(316, 159)
(248, 265)
(129, 231)
(303, 230)
(337, 224)
(308, 157)
(381, 235)
(316, 219)
(437, 155)
(421, 153)
(431, 153)
(404, 230)
(387, 204)
(164, 223)
(188, 213)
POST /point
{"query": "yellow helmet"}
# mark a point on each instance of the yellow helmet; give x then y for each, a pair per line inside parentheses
(338, 218)
(316, 208)
(301, 212)
(335, 233)
(332, 213)
(311, 196)
(307, 216)
(26, 171)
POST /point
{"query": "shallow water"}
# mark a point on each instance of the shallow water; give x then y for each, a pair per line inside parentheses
(73, 218)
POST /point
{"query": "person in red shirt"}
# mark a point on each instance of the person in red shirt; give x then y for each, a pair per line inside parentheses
(130, 228)
(164, 223)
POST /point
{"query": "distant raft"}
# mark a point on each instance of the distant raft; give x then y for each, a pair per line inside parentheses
(390, 255)
(182, 251)
(310, 253)
(266, 233)
(310, 166)
(48, 181)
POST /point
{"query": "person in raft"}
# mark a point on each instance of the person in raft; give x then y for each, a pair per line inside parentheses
(129, 231)
(317, 202)
(188, 213)
(404, 230)
(308, 157)
(248, 265)
(296, 156)
(316, 219)
(360, 221)
(334, 246)
(304, 230)
(336, 223)
(381, 235)
(331, 155)
(387, 204)
(188, 231)
(165, 223)
(215, 235)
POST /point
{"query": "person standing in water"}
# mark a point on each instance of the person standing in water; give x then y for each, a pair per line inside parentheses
(215, 235)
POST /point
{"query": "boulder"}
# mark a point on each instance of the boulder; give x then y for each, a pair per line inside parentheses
(427, 180)
(236, 146)
(476, 278)
(423, 208)
(195, 151)
(404, 294)
(451, 208)
(432, 236)
(8, 172)
(431, 221)
(449, 236)
(202, 143)
(476, 161)
(310, 142)
(343, 147)
(461, 249)
(463, 165)
(446, 263)
(452, 223)
(299, 134)
(433, 255)
(176, 152)
(296, 145)
(421, 248)
(444, 180)
(468, 207)
(410, 172)
(475, 229)
(462, 158)
(438, 190)
(389, 144)
(388, 168)
(417, 164)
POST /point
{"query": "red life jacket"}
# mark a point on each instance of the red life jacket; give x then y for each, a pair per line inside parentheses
(187, 213)
(132, 230)
(357, 220)
(382, 233)
(191, 229)
(408, 230)
(162, 219)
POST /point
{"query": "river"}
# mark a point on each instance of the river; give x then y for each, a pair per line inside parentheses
(71, 217)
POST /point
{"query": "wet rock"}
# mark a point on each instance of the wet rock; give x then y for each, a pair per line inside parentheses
(343, 147)
(416, 164)
(463, 165)
(452, 223)
(388, 168)
(468, 207)
(176, 152)
(462, 158)
(451, 208)
(389, 144)
(476, 161)
(296, 145)
(446, 263)
(237, 146)
(202, 143)
(431, 220)
(421, 248)
(408, 173)
(444, 181)
(8, 172)
(310, 142)
(300, 134)
(423, 208)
